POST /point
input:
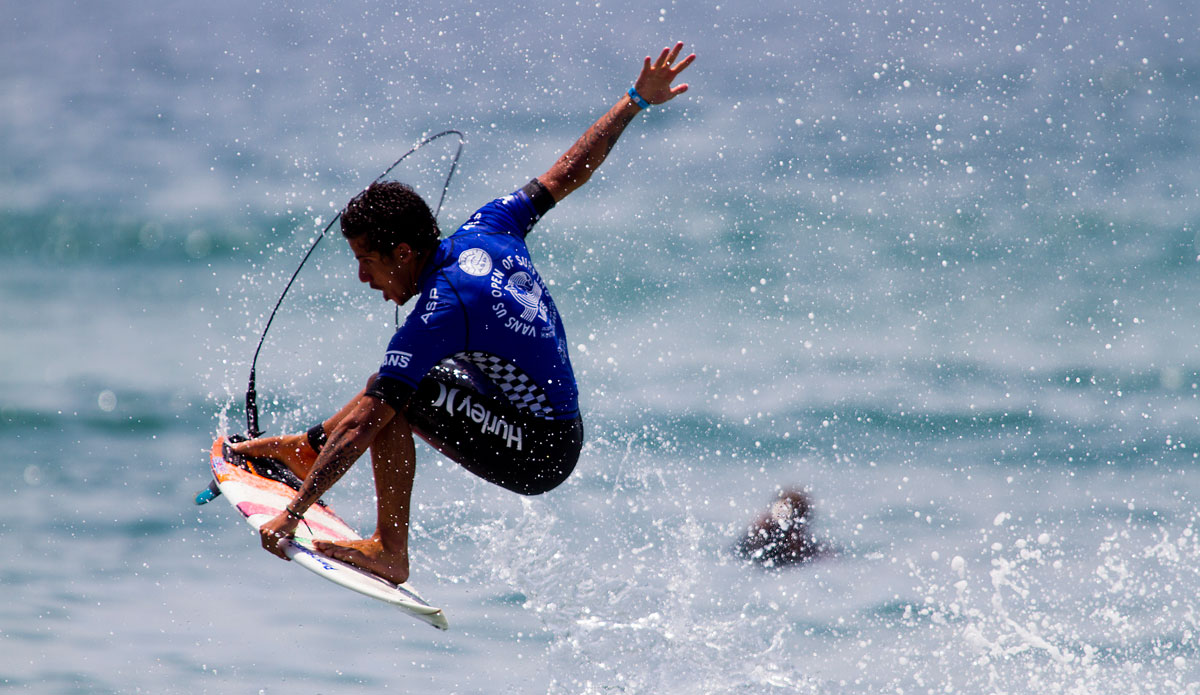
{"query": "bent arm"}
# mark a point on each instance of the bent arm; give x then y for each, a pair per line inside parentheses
(350, 438)
(576, 165)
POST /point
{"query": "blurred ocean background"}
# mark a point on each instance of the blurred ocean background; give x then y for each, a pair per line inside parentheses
(935, 261)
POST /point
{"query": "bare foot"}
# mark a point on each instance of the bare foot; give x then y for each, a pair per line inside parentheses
(293, 450)
(370, 555)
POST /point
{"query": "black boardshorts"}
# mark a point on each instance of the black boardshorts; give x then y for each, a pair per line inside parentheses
(462, 414)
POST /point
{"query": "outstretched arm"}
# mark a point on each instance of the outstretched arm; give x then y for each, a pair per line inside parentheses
(575, 167)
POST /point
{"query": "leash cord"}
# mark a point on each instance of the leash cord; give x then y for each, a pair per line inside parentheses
(252, 429)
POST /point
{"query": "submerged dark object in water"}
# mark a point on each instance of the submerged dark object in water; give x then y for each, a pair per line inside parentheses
(782, 535)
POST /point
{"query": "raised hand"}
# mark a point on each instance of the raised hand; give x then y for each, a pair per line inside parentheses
(654, 84)
(576, 165)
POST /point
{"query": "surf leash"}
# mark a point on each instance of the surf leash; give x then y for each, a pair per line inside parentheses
(252, 429)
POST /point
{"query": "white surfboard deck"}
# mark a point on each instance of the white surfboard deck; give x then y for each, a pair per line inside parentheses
(260, 499)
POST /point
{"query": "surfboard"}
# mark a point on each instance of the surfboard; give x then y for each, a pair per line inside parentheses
(259, 499)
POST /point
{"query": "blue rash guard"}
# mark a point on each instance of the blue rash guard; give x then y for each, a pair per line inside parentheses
(483, 302)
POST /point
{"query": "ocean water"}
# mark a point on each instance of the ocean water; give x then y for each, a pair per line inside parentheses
(935, 261)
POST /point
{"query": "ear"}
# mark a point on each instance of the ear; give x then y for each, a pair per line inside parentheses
(402, 253)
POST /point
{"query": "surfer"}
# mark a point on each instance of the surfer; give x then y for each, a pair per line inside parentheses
(479, 369)
(782, 535)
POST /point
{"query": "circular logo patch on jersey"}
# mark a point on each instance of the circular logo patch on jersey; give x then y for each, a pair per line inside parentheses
(475, 262)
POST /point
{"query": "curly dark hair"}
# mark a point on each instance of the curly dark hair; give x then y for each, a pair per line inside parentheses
(388, 214)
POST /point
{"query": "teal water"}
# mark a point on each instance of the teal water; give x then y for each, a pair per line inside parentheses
(935, 261)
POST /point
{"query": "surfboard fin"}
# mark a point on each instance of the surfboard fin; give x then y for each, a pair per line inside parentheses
(209, 493)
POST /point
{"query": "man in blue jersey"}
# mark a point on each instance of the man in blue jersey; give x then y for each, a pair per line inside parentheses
(479, 369)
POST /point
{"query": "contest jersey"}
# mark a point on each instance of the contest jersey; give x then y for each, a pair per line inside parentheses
(482, 301)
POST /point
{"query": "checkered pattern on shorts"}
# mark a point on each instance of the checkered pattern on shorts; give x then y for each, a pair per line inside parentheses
(522, 391)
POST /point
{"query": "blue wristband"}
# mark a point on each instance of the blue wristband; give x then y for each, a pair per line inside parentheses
(637, 98)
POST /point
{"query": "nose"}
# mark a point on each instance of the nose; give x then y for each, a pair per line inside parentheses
(363, 275)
